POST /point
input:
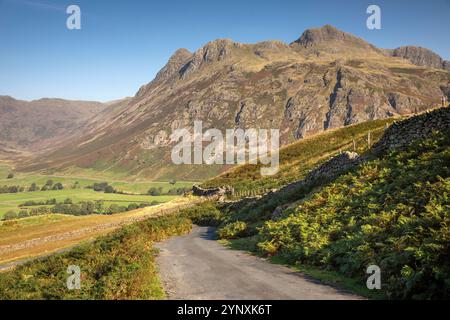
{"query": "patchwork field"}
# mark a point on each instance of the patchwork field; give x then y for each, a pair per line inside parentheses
(11, 201)
(75, 188)
(139, 187)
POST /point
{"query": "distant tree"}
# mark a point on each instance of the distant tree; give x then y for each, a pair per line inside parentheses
(13, 189)
(44, 188)
(100, 186)
(10, 175)
(177, 191)
(49, 183)
(132, 206)
(68, 201)
(23, 214)
(155, 191)
(58, 186)
(33, 187)
(172, 181)
(50, 201)
(109, 189)
(10, 215)
(114, 208)
(99, 206)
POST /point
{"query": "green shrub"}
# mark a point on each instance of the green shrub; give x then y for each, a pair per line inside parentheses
(23, 214)
(203, 214)
(393, 212)
(120, 265)
(233, 230)
(10, 215)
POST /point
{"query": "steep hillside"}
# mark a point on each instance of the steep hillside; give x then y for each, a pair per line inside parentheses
(326, 79)
(390, 208)
(393, 212)
(421, 57)
(27, 127)
(300, 157)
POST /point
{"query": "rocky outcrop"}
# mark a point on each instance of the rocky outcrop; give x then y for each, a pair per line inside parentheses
(176, 61)
(213, 51)
(421, 57)
(211, 192)
(447, 65)
(402, 133)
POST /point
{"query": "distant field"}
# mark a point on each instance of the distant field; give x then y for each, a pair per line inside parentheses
(131, 187)
(135, 189)
(4, 170)
(11, 201)
(40, 227)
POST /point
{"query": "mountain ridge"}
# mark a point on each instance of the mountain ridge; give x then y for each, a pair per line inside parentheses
(326, 79)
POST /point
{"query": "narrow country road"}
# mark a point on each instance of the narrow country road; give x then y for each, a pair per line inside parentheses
(197, 267)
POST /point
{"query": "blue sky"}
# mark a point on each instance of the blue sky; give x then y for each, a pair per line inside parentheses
(122, 44)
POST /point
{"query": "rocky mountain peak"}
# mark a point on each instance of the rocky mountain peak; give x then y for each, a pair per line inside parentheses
(213, 51)
(176, 61)
(325, 34)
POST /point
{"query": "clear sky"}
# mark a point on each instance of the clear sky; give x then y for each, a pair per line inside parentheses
(122, 44)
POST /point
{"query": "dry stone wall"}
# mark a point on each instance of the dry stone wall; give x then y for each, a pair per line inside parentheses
(402, 133)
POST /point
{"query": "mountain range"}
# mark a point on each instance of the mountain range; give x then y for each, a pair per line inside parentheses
(325, 79)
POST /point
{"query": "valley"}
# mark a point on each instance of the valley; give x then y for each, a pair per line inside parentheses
(363, 179)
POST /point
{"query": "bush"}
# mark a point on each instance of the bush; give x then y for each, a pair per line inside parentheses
(23, 214)
(58, 186)
(10, 189)
(109, 189)
(39, 211)
(114, 208)
(233, 230)
(155, 191)
(10, 215)
(120, 265)
(132, 206)
(204, 214)
(10, 176)
(33, 187)
(178, 191)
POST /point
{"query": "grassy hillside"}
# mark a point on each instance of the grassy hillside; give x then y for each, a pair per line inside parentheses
(117, 266)
(300, 157)
(392, 211)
